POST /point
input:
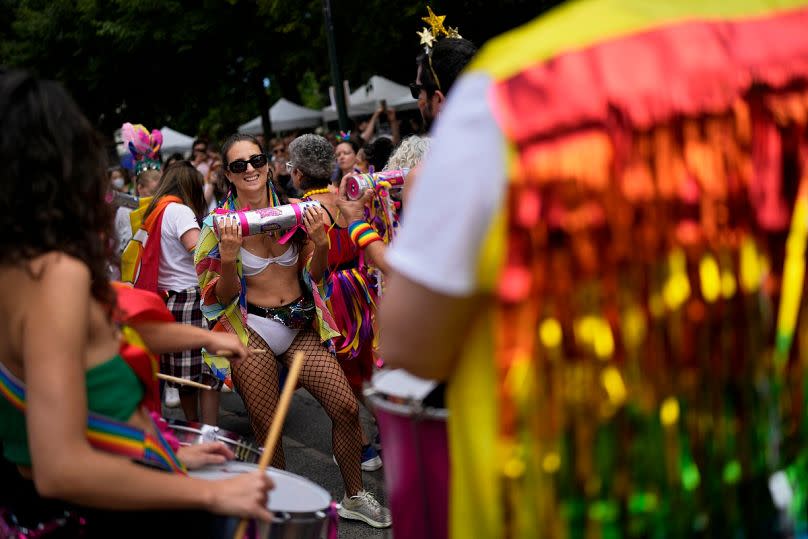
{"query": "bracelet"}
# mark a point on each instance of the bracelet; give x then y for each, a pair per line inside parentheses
(362, 234)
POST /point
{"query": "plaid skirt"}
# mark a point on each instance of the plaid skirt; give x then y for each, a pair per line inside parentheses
(187, 364)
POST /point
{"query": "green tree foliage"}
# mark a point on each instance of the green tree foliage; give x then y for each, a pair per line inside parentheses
(199, 65)
(309, 88)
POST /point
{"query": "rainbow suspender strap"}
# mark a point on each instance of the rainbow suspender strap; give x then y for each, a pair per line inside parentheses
(105, 434)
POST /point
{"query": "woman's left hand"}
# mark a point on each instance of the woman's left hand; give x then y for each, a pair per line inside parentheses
(199, 455)
(314, 220)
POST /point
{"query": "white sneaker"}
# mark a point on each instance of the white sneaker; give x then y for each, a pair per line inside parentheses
(172, 397)
(371, 461)
(366, 508)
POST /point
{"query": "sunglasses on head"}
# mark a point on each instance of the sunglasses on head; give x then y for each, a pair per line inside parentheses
(240, 165)
(415, 89)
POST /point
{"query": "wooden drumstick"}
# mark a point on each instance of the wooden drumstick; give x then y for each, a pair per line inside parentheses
(182, 381)
(275, 429)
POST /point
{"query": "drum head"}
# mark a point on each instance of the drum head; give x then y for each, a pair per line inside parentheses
(400, 383)
(292, 493)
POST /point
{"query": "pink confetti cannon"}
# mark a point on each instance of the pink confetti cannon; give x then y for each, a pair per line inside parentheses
(266, 219)
(358, 183)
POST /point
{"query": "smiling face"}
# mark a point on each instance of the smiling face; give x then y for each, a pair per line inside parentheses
(251, 181)
(346, 157)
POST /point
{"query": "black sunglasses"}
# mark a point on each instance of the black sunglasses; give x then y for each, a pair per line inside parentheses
(239, 166)
(415, 89)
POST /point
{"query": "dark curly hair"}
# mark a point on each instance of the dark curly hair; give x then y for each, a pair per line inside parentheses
(53, 180)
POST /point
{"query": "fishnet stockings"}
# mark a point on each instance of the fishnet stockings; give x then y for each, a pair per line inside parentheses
(256, 379)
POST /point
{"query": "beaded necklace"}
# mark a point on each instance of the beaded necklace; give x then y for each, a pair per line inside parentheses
(321, 191)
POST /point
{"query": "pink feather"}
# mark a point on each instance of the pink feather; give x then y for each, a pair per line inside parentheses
(127, 133)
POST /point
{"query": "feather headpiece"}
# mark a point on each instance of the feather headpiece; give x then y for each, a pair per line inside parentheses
(144, 146)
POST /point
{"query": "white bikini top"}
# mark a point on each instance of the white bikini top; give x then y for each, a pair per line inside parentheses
(253, 264)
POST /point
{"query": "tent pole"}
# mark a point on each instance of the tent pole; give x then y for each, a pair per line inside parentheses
(336, 78)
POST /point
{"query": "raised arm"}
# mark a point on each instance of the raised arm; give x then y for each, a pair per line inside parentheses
(354, 210)
(367, 134)
(395, 126)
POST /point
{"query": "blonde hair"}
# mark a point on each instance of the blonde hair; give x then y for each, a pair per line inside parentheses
(409, 153)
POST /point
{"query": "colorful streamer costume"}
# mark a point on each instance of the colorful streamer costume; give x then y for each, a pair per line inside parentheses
(352, 287)
(642, 383)
(351, 300)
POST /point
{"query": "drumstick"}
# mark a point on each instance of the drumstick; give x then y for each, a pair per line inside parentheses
(277, 425)
(182, 381)
(228, 353)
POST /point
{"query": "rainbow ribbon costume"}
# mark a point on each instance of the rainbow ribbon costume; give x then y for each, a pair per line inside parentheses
(645, 379)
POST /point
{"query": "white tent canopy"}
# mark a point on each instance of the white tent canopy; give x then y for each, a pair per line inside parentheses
(366, 98)
(285, 116)
(174, 141)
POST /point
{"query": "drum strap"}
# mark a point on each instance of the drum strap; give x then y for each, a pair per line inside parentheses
(106, 434)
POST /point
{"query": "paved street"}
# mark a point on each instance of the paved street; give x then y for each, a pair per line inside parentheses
(307, 442)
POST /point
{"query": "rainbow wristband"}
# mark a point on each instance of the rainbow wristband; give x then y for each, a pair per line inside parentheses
(362, 234)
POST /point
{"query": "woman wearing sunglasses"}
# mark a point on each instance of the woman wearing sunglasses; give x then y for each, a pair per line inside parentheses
(266, 292)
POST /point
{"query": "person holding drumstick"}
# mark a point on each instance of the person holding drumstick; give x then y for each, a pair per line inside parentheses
(86, 453)
(266, 292)
(167, 266)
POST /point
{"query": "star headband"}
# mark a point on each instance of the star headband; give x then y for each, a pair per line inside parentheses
(429, 35)
(343, 136)
(435, 31)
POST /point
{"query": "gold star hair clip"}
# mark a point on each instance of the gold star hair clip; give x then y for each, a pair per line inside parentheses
(435, 23)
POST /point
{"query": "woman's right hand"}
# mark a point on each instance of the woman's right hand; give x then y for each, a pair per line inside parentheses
(223, 343)
(229, 239)
(244, 496)
(353, 210)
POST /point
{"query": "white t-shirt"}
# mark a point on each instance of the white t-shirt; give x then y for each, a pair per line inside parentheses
(176, 270)
(459, 189)
(123, 228)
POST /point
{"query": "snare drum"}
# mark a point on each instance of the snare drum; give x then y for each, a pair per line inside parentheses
(300, 508)
(190, 433)
(416, 455)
